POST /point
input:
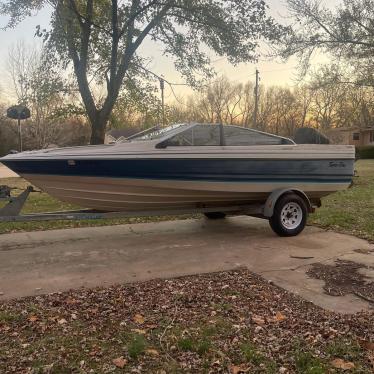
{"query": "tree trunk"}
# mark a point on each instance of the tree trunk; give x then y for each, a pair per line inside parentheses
(98, 127)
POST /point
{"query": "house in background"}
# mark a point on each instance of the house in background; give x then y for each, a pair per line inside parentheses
(358, 136)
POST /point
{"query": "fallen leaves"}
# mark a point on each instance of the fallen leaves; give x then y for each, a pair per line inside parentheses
(71, 301)
(279, 317)
(139, 319)
(152, 326)
(119, 362)
(369, 346)
(33, 318)
(139, 331)
(338, 363)
(258, 320)
(371, 360)
(110, 326)
(342, 278)
(152, 352)
(235, 369)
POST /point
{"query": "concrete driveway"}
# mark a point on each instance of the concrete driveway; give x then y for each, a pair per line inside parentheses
(6, 173)
(43, 262)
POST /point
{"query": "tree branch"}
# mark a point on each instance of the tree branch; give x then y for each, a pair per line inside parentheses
(79, 69)
(151, 25)
(128, 54)
(82, 19)
(115, 41)
(86, 35)
(135, 13)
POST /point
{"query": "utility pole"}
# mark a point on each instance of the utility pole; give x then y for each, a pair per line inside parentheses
(162, 87)
(255, 114)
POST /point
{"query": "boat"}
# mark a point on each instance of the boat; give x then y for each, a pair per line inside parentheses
(186, 166)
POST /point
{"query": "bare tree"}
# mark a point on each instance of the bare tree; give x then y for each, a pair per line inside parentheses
(246, 104)
(38, 85)
(345, 33)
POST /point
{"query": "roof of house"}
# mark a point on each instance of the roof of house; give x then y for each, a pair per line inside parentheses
(353, 128)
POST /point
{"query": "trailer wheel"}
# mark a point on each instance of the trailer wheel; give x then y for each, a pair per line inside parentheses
(215, 215)
(290, 215)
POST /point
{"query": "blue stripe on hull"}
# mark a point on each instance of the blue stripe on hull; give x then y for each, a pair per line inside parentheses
(232, 170)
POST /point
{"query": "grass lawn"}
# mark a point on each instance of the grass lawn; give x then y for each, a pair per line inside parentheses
(350, 211)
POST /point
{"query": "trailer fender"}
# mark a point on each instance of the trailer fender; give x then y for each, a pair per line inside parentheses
(275, 195)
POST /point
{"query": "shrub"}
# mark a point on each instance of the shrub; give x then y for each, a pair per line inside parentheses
(365, 152)
(8, 137)
(308, 135)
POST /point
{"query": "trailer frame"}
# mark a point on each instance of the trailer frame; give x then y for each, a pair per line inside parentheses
(278, 216)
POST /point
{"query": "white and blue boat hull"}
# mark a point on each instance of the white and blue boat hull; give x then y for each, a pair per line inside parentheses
(174, 178)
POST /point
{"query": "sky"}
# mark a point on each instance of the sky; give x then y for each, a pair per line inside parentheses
(272, 72)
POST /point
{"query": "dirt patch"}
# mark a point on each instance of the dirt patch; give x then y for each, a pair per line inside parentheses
(344, 278)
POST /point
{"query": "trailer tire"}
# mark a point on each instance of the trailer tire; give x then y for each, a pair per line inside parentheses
(290, 215)
(215, 215)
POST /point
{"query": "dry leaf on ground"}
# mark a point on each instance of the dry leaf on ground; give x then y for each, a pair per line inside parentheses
(338, 363)
(238, 369)
(138, 331)
(279, 317)
(153, 352)
(258, 320)
(367, 345)
(120, 362)
(139, 319)
(234, 369)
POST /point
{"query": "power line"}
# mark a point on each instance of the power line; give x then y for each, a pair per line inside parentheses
(179, 84)
(275, 70)
(176, 98)
(160, 77)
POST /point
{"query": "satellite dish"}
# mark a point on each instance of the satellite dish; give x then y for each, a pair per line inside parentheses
(18, 112)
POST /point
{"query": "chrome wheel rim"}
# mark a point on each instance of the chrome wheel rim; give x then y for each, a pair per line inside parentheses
(291, 216)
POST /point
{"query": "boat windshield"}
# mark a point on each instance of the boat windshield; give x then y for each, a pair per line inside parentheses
(210, 135)
(156, 132)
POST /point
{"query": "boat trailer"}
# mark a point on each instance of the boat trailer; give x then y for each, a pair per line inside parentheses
(11, 212)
